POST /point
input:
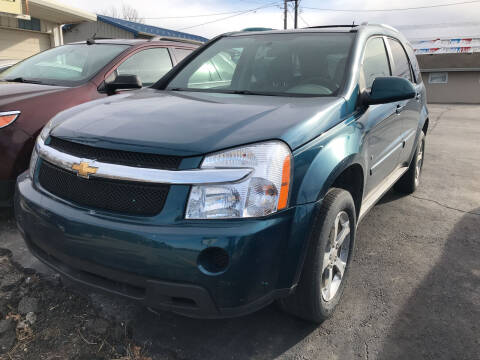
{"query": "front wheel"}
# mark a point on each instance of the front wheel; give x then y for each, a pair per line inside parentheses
(326, 265)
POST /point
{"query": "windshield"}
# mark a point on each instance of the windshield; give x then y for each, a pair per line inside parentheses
(310, 64)
(68, 65)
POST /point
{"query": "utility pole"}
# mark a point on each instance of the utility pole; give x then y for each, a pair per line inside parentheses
(285, 13)
(296, 14)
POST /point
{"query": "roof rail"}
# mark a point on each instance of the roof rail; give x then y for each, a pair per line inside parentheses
(389, 27)
(168, 38)
(332, 26)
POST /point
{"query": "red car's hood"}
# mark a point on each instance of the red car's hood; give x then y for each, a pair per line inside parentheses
(12, 92)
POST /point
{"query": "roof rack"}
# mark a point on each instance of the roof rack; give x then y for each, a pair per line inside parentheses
(333, 26)
(168, 38)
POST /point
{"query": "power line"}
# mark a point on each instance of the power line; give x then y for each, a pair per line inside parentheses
(194, 16)
(301, 18)
(228, 17)
(397, 9)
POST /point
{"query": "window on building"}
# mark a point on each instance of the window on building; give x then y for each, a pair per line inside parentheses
(438, 78)
(401, 65)
(33, 24)
(375, 61)
(149, 65)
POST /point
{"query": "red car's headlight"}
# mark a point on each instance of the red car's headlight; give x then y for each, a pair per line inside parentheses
(8, 117)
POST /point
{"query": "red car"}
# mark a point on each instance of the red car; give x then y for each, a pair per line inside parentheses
(36, 89)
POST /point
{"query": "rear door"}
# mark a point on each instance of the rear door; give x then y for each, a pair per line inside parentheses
(383, 127)
(408, 110)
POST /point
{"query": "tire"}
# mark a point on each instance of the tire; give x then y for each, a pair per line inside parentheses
(409, 182)
(311, 301)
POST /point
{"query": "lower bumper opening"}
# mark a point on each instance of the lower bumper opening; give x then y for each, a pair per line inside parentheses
(186, 299)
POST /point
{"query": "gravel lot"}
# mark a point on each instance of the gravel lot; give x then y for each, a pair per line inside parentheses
(414, 287)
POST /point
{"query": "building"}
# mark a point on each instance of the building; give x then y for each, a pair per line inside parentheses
(30, 26)
(107, 27)
(450, 69)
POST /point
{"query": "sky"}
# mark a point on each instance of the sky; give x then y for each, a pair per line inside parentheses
(461, 20)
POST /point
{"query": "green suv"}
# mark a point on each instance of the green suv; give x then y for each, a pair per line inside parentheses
(238, 179)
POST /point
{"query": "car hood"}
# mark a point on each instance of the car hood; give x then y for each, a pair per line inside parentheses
(11, 92)
(194, 123)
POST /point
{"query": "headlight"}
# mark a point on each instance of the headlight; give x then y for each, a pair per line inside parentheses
(263, 193)
(33, 161)
(46, 130)
(44, 134)
(8, 117)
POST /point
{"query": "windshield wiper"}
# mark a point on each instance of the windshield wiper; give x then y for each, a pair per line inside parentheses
(23, 80)
(249, 92)
(225, 91)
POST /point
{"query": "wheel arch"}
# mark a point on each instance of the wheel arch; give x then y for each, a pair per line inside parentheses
(425, 126)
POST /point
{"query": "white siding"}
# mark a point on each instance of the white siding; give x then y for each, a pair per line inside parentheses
(19, 44)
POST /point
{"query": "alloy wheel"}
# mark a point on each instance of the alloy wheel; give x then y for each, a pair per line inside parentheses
(336, 256)
(419, 162)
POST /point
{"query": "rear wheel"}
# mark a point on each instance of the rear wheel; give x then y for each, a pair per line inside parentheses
(409, 182)
(327, 262)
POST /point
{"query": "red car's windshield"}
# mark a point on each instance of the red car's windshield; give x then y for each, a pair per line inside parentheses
(68, 65)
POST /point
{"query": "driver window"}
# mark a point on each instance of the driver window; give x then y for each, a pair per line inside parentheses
(149, 65)
(375, 61)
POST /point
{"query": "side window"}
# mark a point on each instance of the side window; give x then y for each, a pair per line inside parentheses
(181, 54)
(401, 65)
(149, 65)
(375, 61)
(414, 63)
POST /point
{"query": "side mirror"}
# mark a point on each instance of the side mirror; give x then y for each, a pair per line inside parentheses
(390, 89)
(123, 82)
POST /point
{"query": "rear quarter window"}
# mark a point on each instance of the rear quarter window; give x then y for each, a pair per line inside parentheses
(413, 60)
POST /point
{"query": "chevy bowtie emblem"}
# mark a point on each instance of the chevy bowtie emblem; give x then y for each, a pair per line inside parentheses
(84, 169)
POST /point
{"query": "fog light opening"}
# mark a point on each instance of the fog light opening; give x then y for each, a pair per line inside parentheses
(213, 261)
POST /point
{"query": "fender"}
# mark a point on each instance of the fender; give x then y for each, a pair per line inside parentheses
(318, 163)
(317, 166)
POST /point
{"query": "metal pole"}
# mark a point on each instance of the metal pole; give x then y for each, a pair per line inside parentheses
(285, 13)
(296, 14)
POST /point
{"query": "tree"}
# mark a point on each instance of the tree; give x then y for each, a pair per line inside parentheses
(125, 12)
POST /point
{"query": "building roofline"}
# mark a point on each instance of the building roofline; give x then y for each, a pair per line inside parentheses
(58, 12)
(148, 30)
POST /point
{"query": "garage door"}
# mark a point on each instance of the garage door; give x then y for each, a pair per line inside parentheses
(18, 44)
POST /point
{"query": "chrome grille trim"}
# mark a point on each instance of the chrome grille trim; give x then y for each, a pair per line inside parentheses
(146, 175)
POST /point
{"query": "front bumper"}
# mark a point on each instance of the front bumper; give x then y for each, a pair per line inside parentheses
(6, 193)
(157, 263)
(16, 148)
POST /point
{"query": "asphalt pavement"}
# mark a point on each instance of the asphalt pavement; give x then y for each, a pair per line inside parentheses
(414, 286)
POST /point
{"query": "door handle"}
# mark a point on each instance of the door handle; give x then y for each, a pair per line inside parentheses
(399, 108)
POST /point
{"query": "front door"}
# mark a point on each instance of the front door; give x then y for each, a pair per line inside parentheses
(383, 125)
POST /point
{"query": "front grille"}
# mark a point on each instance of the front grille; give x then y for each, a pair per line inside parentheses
(118, 157)
(103, 194)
